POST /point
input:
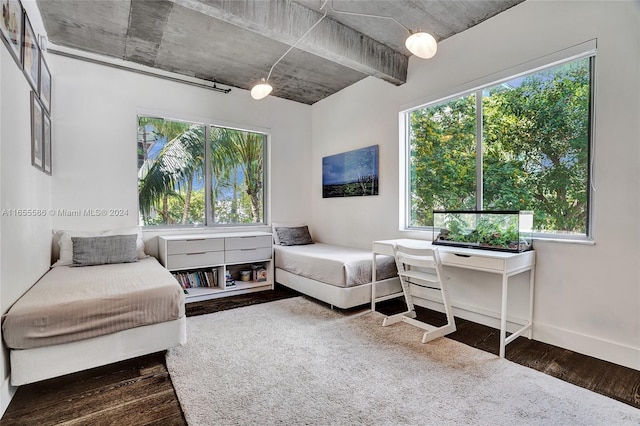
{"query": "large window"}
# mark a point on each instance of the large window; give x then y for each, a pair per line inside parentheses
(522, 144)
(194, 174)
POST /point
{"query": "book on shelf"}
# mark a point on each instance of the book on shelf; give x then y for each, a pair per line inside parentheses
(197, 278)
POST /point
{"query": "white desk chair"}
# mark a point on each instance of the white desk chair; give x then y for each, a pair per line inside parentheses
(421, 267)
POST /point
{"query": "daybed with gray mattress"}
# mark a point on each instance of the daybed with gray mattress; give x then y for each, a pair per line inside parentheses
(338, 275)
(75, 318)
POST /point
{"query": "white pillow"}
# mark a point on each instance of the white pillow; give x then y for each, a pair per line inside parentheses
(275, 225)
(66, 245)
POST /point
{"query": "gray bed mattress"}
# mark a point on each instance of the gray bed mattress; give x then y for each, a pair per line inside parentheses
(332, 264)
(74, 303)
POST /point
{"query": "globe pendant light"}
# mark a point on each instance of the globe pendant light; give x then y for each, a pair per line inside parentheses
(419, 43)
(422, 44)
(261, 90)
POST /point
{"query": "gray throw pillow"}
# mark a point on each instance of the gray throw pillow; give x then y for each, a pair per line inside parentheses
(89, 251)
(296, 236)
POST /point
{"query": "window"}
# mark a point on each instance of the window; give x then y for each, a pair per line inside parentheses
(522, 144)
(197, 175)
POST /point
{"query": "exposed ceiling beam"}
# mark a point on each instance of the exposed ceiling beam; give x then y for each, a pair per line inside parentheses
(286, 21)
(147, 21)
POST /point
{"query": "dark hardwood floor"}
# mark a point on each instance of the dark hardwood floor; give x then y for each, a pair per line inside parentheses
(139, 391)
(606, 378)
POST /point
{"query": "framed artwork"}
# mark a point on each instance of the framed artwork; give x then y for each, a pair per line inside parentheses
(46, 143)
(44, 89)
(30, 54)
(36, 132)
(11, 28)
(351, 174)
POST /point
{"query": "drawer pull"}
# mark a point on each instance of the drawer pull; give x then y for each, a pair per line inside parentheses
(462, 255)
(196, 239)
(249, 249)
(191, 254)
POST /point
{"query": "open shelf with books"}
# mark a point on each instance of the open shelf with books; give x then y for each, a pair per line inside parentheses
(200, 278)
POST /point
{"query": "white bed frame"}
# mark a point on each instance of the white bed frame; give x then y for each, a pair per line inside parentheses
(33, 365)
(342, 297)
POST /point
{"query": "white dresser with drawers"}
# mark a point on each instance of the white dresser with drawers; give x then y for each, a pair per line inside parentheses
(209, 266)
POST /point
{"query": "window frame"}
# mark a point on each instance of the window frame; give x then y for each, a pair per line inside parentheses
(583, 50)
(208, 124)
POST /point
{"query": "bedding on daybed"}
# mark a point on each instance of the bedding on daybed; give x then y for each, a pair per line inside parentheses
(72, 303)
(332, 264)
(338, 275)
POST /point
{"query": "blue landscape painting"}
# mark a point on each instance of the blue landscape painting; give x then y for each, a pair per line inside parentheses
(351, 174)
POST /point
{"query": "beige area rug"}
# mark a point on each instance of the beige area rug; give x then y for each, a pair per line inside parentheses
(296, 362)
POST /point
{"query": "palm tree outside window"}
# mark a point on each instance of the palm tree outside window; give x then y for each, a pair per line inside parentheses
(192, 174)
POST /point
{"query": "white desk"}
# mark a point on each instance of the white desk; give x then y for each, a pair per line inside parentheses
(503, 263)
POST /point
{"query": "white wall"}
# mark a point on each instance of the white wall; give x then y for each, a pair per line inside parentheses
(26, 241)
(587, 296)
(95, 139)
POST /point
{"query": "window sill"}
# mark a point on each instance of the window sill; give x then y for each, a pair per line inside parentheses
(564, 241)
(186, 229)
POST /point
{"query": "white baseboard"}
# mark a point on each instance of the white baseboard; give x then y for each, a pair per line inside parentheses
(607, 350)
(6, 395)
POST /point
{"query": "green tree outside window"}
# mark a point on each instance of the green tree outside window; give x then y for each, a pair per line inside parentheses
(534, 150)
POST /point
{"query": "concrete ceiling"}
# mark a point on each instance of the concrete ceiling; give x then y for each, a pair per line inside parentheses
(236, 42)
